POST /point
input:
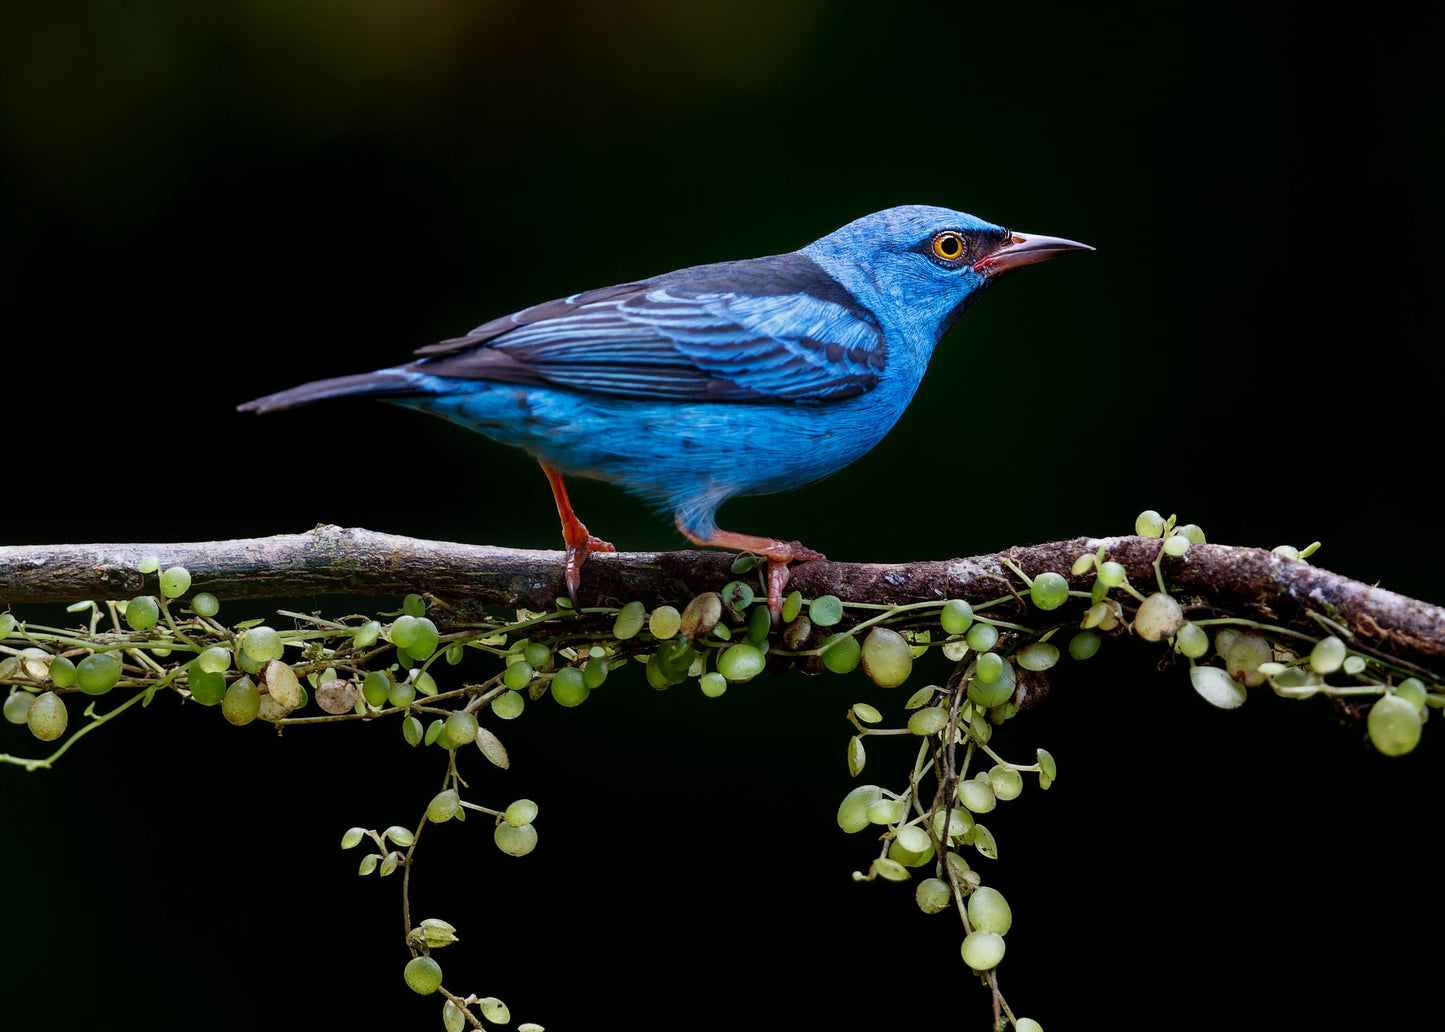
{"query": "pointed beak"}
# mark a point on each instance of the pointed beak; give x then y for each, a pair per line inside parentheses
(1024, 249)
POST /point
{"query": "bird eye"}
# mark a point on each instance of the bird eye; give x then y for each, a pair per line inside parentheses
(949, 246)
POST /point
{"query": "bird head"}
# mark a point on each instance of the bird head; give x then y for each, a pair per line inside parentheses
(920, 267)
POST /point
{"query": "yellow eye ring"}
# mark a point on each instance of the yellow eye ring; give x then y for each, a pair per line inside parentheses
(949, 246)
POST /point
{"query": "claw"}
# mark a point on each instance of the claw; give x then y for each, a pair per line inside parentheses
(579, 541)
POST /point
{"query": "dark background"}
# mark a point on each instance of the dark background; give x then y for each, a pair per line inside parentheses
(205, 203)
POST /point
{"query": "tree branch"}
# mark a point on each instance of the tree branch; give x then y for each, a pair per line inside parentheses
(1209, 580)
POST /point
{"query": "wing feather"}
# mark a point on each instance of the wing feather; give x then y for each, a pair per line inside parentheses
(771, 329)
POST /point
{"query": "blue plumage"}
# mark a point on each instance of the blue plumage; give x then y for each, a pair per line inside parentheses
(806, 358)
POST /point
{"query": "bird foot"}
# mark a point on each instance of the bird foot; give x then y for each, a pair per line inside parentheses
(779, 556)
(579, 547)
(579, 540)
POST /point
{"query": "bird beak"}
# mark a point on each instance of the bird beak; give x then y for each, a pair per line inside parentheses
(1024, 249)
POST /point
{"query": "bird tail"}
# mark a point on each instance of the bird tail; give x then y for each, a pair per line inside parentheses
(384, 383)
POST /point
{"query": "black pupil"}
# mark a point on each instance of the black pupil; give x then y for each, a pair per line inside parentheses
(949, 245)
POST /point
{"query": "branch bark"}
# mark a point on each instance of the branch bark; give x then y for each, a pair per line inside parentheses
(1209, 580)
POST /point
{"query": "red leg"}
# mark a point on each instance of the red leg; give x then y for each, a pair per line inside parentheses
(580, 543)
(778, 554)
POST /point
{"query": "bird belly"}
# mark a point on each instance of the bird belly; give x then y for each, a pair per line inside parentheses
(685, 457)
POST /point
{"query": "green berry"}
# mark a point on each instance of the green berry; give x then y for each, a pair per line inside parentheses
(262, 644)
(932, 895)
(402, 694)
(206, 688)
(412, 731)
(957, 616)
(515, 841)
(460, 729)
(853, 811)
(538, 655)
(988, 911)
(1192, 641)
(214, 660)
(594, 672)
(1111, 574)
(976, 796)
(959, 824)
(376, 688)
(713, 684)
(664, 622)
(928, 721)
(1176, 545)
(885, 811)
(1413, 690)
(416, 634)
(1049, 590)
(205, 604)
(981, 637)
(995, 693)
(423, 975)
(443, 806)
(911, 846)
(522, 811)
(982, 950)
(241, 702)
(509, 705)
(517, 675)
(1191, 532)
(569, 687)
(1037, 656)
(825, 611)
(62, 672)
(404, 630)
(1394, 725)
(887, 658)
(841, 653)
(1149, 524)
(47, 717)
(1328, 655)
(175, 582)
(866, 713)
(1006, 782)
(629, 621)
(97, 673)
(1085, 644)
(741, 662)
(494, 1010)
(142, 612)
(17, 706)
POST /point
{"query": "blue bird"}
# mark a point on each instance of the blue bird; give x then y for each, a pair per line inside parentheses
(739, 378)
